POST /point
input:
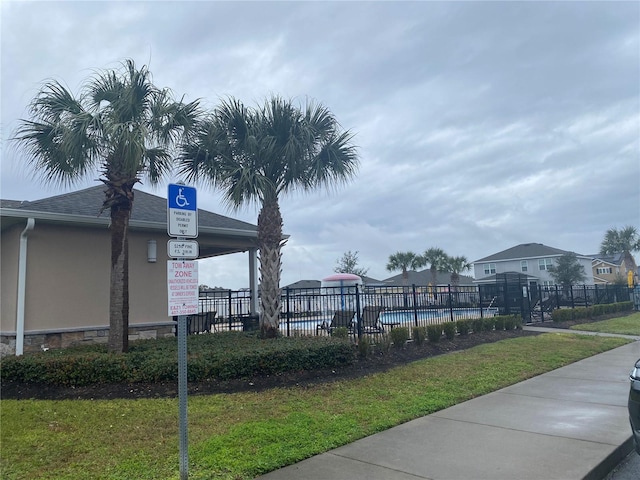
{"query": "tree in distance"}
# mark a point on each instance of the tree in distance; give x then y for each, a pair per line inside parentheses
(348, 263)
(404, 261)
(567, 270)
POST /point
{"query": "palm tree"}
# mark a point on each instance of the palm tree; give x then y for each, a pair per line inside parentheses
(257, 154)
(437, 259)
(404, 261)
(121, 125)
(625, 240)
(457, 265)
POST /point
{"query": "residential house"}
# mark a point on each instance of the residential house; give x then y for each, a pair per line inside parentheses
(423, 279)
(608, 269)
(529, 259)
(55, 259)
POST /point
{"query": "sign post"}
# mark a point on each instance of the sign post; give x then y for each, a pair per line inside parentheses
(182, 287)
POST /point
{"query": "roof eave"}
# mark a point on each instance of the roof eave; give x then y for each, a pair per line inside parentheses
(104, 221)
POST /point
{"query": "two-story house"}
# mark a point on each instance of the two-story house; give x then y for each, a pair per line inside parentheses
(608, 269)
(530, 259)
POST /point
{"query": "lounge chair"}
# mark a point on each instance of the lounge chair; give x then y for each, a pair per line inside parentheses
(201, 323)
(341, 318)
(371, 319)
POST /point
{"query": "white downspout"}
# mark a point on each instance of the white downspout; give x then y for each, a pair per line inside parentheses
(22, 282)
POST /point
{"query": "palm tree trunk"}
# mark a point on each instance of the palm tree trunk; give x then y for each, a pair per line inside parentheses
(119, 298)
(270, 244)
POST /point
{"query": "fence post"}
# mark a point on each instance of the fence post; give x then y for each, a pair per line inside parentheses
(584, 288)
(230, 306)
(573, 303)
(450, 301)
(358, 314)
(557, 296)
(415, 305)
(288, 310)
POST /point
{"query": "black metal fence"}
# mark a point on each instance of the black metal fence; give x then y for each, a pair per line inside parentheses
(310, 311)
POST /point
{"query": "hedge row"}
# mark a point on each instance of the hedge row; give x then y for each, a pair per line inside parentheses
(221, 356)
(464, 326)
(565, 314)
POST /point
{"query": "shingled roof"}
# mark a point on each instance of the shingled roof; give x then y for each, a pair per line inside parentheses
(524, 250)
(147, 209)
(423, 277)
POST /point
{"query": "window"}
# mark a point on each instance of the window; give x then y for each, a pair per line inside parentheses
(544, 263)
(604, 270)
(489, 268)
(524, 265)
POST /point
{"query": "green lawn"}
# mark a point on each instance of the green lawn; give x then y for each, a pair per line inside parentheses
(238, 436)
(629, 325)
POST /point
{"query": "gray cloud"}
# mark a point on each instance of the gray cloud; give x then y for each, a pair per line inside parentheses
(480, 124)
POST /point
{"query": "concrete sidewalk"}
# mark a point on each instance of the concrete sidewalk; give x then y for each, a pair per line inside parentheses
(571, 423)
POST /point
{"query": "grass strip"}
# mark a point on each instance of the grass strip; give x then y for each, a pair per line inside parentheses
(629, 325)
(239, 436)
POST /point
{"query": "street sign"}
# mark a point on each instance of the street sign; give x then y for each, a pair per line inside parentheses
(182, 211)
(182, 249)
(182, 285)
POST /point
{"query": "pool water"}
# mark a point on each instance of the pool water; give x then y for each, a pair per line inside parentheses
(431, 315)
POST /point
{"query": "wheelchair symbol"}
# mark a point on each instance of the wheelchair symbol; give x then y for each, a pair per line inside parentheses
(181, 200)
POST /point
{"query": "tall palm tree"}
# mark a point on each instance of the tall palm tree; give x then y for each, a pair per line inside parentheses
(625, 240)
(257, 154)
(404, 261)
(457, 265)
(437, 259)
(122, 126)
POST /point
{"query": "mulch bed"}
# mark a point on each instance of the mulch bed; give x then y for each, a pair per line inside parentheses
(372, 364)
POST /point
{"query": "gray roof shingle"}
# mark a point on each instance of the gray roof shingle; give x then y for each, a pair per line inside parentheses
(146, 208)
(423, 277)
(524, 250)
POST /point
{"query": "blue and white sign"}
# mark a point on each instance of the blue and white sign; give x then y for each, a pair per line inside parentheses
(182, 211)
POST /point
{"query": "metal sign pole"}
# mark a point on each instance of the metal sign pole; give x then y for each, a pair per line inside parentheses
(182, 396)
(182, 222)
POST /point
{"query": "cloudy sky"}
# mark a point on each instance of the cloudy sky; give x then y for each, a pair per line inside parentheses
(480, 125)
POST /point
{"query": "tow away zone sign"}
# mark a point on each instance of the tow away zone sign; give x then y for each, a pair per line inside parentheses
(182, 284)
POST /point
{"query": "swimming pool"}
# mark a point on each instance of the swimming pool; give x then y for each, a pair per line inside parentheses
(395, 318)
(434, 315)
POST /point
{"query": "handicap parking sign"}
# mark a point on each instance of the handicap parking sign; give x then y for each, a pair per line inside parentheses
(182, 211)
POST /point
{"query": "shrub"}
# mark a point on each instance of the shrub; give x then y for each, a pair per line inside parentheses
(399, 336)
(510, 322)
(223, 356)
(477, 325)
(419, 335)
(449, 330)
(383, 343)
(463, 326)
(488, 324)
(340, 332)
(561, 315)
(364, 346)
(434, 332)
(498, 322)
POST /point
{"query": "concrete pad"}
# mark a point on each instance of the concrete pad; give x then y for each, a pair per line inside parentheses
(330, 466)
(573, 389)
(614, 365)
(439, 448)
(559, 418)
